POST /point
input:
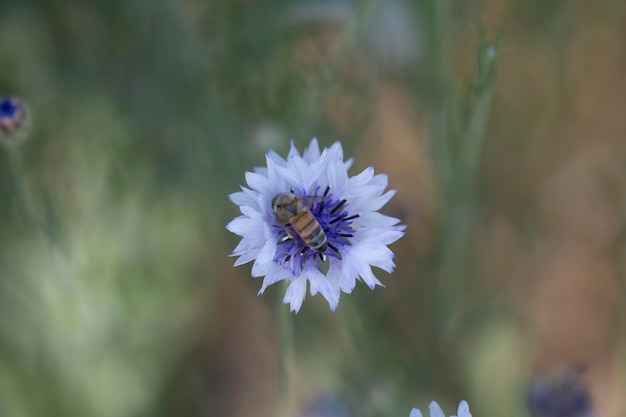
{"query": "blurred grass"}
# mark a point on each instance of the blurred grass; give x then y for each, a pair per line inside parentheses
(116, 296)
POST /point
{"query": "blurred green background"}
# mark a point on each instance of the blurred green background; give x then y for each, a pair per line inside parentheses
(499, 122)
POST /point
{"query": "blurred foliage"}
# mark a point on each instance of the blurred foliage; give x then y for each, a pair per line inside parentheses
(498, 122)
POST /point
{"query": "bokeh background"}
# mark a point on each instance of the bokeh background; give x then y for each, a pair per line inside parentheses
(500, 123)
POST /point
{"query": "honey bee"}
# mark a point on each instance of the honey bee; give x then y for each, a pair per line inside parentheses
(293, 211)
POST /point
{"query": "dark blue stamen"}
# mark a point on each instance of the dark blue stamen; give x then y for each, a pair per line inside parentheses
(330, 245)
(338, 206)
(336, 219)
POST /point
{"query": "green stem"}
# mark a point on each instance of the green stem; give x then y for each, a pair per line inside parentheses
(285, 358)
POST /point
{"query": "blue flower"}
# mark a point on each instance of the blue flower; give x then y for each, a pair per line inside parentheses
(15, 121)
(560, 395)
(436, 411)
(345, 208)
(8, 107)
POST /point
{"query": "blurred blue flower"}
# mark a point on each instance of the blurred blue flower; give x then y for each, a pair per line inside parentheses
(14, 121)
(436, 411)
(328, 405)
(561, 395)
(315, 189)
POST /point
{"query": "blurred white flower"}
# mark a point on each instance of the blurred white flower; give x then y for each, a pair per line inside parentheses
(436, 411)
(353, 237)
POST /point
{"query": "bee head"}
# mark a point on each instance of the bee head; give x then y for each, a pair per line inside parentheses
(284, 206)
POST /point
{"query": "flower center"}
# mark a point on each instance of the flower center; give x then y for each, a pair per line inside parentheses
(330, 221)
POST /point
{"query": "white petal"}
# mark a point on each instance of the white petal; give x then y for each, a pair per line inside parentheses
(260, 171)
(317, 170)
(278, 273)
(246, 245)
(336, 175)
(260, 269)
(299, 175)
(259, 183)
(291, 178)
(312, 153)
(269, 249)
(381, 180)
(378, 235)
(353, 265)
(275, 158)
(246, 257)
(463, 410)
(240, 225)
(435, 410)
(370, 248)
(366, 274)
(242, 198)
(381, 258)
(367, 199)
(362, 178)
(319, 283)
(295, 293)
(293, 151)
(415, 413)
(251, 224)
(337, 150)
(298, 168)
(348, 163)
(376, 219)
(339, 280)
(382, 200)
(271, 168)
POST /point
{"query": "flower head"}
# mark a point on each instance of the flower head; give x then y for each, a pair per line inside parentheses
(560, 395)
(436, 411)
(305, 220)
(14, 121)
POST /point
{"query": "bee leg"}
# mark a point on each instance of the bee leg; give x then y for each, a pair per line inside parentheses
(290, 233)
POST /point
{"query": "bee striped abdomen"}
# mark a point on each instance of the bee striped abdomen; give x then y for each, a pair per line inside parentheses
(309, 229)
(318, 241)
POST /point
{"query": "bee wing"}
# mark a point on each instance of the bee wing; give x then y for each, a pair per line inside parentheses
(309, 200)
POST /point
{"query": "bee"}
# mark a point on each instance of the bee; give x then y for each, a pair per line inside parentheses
(293, 211)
